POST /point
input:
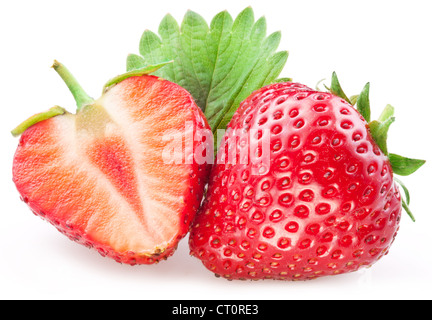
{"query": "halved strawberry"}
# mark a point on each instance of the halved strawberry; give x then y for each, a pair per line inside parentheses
(100, 176)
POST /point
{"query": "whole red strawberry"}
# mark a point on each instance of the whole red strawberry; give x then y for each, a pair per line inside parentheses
(104, 176)
(303, 188)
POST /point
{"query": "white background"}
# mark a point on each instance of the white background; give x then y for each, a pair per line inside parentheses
(385, 42)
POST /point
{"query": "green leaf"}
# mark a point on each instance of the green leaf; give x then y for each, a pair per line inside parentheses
(134, 62)
(336, 88)
(253, 82)
(404, 166)
(363, 104)
(219, 64)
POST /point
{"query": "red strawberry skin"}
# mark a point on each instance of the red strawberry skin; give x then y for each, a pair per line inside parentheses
(326, 205)
(99, 176)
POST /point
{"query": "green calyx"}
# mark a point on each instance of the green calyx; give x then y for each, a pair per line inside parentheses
(82, 99)
(54, 111)
(135, 73)
(378, 129)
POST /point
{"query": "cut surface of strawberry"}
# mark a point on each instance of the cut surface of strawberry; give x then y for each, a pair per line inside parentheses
(99, 175)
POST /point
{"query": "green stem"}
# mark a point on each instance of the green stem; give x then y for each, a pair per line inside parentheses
(54, 111)
(81, 97)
